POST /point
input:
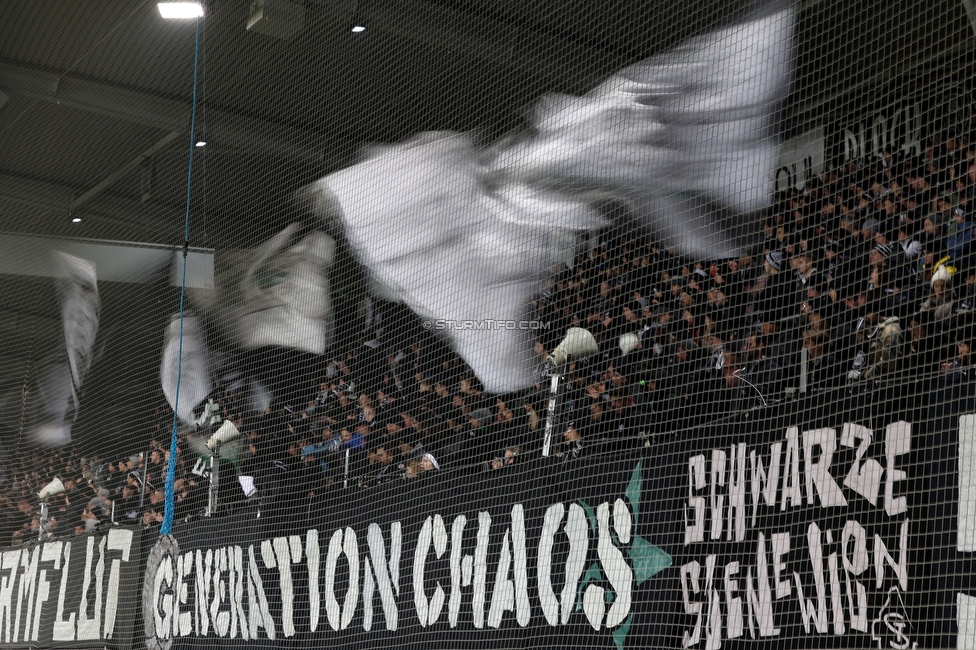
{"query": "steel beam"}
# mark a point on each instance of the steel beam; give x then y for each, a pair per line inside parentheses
(114, 261)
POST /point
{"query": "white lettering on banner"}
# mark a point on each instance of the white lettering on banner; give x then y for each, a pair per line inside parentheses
(618, 572)
(50, 555)
(240, 576)
(966, 518)
(218, 613)
(855, 565)
(717, 499)
(25, 590)
(791, 471)
(509, 595)
(800, 158)
(203, 592)
(10, 562)
(387, 581)
(761, 605)
(204, 562)
(340, 619)
(480, 569)
(88, 627)
(781, 546)
(818, 474)
(898, 442)
(713, 621)
(183, 622)
(689, 586)
(312, 557)
(696, 504)
(864, 478)
(64, 630)
(732, 602)
(897, 127)
(27, 581)
(808, 612)
(762, 484)
(258, 612)
(118, 540)
(457, 577)
(433, 530)
(575, 530)
(725, 477)
(831, 574)
(737, 493)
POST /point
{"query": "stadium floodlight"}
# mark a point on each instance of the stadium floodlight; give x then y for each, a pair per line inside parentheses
(180, 10)
(53, 488)
(578, 344)
(226, 433)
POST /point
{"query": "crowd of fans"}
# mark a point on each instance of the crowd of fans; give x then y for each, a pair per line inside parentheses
(864, 278)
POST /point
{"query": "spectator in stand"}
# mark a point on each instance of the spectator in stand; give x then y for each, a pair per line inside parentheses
(101, 505)
(428, 463)
(384, 465)
(774, 299)
(961, 366)
(941, 299)
(572, 445)
(9, 521)
(762, 378)
(958, 243)
(823, 372)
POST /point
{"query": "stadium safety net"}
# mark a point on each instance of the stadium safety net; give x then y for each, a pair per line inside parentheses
(487, 324)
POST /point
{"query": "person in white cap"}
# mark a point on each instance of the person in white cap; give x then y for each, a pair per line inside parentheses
(428, 463)
(940, 301)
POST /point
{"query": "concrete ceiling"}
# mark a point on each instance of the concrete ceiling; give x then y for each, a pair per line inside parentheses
(99, 92)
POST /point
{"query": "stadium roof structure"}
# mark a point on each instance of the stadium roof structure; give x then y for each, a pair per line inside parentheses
(95, 118)
(95, 100)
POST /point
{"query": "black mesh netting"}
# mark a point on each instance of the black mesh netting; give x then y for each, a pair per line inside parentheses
(479, 323)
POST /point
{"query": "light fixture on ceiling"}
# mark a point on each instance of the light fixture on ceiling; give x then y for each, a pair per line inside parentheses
(180, 10)
(76, 220)
(201, 143)
(357, 28)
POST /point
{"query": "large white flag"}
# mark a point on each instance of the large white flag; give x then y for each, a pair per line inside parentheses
(463, 235)
(61, 378)
(283, 298)
(467, 257)
(688, 137)
(186, 361)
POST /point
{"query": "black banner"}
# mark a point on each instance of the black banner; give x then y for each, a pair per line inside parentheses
(832, 523)
(813, 525)
(75, 592)
(533, 554)
(803, 526)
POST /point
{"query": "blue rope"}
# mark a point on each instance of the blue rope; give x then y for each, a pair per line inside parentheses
(167, 526)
